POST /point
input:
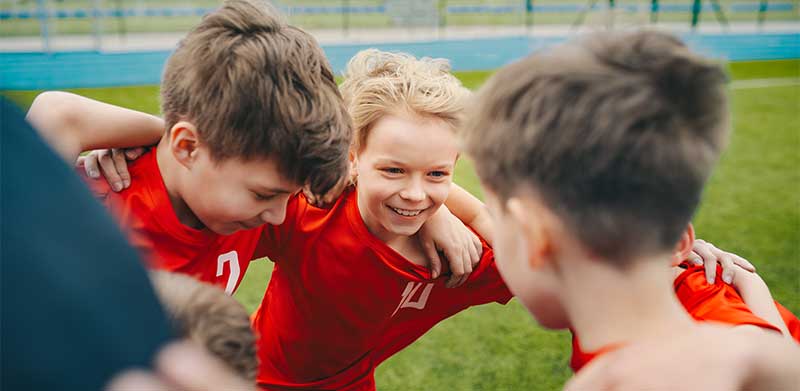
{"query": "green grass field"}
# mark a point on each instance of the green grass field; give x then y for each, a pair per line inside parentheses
(751, 207)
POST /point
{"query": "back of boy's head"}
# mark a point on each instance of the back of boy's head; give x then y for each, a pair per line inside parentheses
(616, 134)
(206, 315)
(378, 83)
(256, 88)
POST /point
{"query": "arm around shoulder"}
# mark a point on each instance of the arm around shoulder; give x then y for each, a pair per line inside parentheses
(72, 124)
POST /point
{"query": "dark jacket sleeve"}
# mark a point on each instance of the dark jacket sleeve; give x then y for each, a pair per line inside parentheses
(77, 306)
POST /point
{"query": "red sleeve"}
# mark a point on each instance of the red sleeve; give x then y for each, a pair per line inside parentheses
(580, 358)
(718, 302)
(276, 237)
(792, 323)
(485, 281)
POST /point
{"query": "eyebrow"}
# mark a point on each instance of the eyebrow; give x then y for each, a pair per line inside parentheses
(274, 190)
(395, 162)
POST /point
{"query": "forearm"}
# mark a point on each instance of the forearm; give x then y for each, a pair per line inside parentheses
(72, 124)
(755, 293)
(470, 210)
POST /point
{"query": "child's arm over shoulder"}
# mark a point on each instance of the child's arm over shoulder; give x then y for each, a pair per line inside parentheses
(72, 124)
(755, 293)
(471, 211)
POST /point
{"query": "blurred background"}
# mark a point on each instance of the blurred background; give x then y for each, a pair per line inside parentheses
(113, 50)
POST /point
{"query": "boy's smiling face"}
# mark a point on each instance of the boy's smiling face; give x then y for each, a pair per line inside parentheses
(404, 173)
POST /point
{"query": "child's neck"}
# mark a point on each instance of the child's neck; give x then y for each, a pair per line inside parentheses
(170, 174)
(611, 306)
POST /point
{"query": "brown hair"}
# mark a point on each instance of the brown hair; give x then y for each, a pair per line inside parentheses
(256, 87)
(377, 83)
(205, 314)
(617, 134)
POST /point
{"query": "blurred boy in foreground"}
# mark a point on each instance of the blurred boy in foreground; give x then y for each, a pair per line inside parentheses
(594, 156)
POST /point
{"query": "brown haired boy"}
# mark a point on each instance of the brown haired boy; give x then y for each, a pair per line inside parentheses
(594, 156)
(206, 315)
(252, 114)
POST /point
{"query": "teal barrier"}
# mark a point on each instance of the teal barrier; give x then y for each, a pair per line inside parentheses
(25, 71)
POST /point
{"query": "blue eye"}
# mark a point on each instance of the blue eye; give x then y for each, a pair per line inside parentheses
(392, 170)
(438, 174)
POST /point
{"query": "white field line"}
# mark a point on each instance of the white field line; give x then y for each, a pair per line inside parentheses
(764, 83)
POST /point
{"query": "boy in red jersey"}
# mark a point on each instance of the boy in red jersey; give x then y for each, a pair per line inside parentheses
(231, 156)
(252, 113)
(593, 157)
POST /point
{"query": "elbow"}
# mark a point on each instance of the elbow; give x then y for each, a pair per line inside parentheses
(57, 117)
(55, 108)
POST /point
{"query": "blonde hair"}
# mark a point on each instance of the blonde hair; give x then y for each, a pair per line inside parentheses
(206, 315)
(377, 83)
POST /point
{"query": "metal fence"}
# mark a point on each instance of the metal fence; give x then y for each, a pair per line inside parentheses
(101, 20)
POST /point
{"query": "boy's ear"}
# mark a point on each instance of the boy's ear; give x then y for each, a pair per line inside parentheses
(531, 220)
(684, 246)
(184, 142)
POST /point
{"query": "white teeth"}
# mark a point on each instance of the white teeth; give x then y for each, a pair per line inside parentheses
(405, 212)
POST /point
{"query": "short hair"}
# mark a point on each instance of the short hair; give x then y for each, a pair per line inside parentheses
(378, 83)
(616, 133)
(255, 88)
(206, 315)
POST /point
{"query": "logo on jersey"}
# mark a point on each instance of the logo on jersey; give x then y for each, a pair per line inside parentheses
(410, 292)
(232, 259)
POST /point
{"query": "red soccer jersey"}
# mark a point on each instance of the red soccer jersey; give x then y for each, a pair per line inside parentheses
(340, 301)
(718, 302)
(146, 214)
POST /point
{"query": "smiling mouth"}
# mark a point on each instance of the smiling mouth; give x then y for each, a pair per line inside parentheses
(407, 212)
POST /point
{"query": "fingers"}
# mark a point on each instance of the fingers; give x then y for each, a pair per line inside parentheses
(457, 269)
(728, 268)
(109, 169)
(121, 165)
(475, 250)
(90, 164)
(703, 248)
(134, 153)
(743, 263)
(695, 258)
(433, 256)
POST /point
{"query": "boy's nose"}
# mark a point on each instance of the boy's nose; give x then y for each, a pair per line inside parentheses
(413, 193)
(274, 216)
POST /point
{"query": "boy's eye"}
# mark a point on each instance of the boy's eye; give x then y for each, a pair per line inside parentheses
(438, 174)
(263, 197)
(392, 170)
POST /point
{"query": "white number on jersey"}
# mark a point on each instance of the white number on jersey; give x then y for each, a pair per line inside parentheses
(232, 258)
(408, 294)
